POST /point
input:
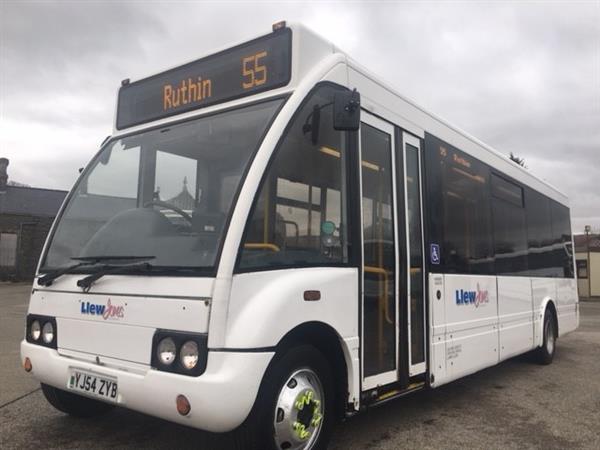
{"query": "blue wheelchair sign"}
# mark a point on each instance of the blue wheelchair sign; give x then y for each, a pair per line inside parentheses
(434, 253)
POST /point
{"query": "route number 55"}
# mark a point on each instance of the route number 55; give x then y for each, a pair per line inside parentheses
(253, 72)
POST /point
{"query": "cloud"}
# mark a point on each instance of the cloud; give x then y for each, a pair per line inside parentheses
(521, 76)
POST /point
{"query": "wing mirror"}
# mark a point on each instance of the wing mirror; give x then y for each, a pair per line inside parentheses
(346, 110)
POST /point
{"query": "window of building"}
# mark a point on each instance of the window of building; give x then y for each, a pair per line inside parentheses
(582, 268)
(8, 249)
(299, 216)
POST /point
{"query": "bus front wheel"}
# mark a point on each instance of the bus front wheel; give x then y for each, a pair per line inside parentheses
(294, 406)
(73, 404)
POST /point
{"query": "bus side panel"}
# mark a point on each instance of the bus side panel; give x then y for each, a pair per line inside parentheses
(437, 320)
(515, 316)
(566, 296)
(471, 324)
(265, 306)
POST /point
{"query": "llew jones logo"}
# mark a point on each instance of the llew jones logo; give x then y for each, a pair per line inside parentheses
(476, 298)
(108, 311)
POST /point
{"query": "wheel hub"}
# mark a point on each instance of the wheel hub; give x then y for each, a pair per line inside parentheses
(299, 411)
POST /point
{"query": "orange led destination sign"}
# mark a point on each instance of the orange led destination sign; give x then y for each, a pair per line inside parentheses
(252, 67)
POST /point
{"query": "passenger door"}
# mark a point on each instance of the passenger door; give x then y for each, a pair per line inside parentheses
(414, 225)
(380, 253)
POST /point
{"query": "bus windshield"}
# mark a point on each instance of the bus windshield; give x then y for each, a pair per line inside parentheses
(167, 192)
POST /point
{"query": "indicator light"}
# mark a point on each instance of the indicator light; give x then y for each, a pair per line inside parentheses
(183, 405)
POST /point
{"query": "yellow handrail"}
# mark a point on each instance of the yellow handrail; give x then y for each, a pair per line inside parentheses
(262, 246)
(383, 299)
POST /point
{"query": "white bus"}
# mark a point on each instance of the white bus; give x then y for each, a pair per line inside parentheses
(273, 239)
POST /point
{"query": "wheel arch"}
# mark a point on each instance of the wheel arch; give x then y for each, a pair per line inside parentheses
(552, 307)
(327, 341)
(548, 304)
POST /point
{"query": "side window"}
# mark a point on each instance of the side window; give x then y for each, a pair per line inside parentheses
(466, 225)
(510, 227)
(539, 234)
(299, 215)
(561, 237)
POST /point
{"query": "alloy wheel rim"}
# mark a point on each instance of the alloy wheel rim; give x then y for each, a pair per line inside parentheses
(299, 412)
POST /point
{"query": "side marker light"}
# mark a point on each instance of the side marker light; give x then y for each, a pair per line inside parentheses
(183, 405)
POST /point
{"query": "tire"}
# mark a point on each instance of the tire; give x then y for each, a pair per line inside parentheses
(285, 413)
(73, 404)
(545, 353)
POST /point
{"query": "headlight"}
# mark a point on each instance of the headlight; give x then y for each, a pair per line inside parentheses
(35, 330)
(166, 351)
(179, 352)
(47, 332)
(41, 330)
(188, 356)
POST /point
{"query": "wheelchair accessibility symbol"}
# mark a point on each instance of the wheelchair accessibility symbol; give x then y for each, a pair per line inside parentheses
(435, 253)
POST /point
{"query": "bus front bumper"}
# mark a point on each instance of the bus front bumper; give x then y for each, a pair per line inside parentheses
(221, 398)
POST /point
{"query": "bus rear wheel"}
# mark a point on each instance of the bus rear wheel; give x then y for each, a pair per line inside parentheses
(545, 354)
(73, 404)
(294, 406)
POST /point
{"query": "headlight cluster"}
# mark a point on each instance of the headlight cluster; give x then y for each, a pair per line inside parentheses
(177, 352)
(41, 330)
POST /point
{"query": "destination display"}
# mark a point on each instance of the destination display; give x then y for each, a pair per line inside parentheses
(252, 67)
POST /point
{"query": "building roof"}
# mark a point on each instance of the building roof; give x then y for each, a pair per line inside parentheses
(184, 200)
(31, 201)
(581, 243)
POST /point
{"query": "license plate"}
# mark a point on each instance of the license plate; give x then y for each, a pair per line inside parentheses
(92, 384)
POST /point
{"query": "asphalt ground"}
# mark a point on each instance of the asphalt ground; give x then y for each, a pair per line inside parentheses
(517, 404)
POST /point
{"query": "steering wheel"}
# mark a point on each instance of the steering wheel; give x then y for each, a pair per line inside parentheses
(179, 211)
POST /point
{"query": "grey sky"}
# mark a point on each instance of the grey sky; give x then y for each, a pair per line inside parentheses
(521, 76)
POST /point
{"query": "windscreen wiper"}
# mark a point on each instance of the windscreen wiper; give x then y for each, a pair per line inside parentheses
(86, 283)
(48, 279)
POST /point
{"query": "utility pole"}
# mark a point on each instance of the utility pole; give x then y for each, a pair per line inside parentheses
(588, 229)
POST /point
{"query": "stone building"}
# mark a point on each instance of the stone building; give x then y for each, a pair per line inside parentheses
(26, 214)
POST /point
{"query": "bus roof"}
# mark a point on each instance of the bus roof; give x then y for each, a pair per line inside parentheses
(306, 50)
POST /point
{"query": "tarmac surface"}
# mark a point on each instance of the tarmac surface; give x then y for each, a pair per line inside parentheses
(517, 404)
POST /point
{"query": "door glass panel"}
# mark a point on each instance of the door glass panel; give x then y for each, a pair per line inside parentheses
(417, 316)
(379, 252)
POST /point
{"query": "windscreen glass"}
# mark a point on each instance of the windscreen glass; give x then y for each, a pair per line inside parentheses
(165, 193)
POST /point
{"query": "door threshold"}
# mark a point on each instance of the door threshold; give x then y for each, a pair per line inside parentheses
(378, 397)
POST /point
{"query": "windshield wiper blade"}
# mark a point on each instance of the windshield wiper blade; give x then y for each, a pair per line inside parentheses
(48, 279)
(86, 283)
(111, 258)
